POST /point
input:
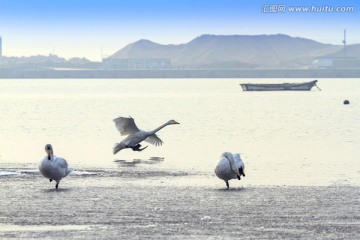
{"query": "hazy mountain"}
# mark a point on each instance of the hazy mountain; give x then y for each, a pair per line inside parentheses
(234, 51)
(262, 50)
(351, 51)
(147, 49)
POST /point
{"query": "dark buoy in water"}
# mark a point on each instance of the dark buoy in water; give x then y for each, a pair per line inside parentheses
(346, 102)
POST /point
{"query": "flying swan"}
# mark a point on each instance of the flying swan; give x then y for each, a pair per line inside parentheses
(127, 126)
(230, 166)
(52, 167)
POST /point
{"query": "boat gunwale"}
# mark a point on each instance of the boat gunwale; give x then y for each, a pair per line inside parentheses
(278, 86)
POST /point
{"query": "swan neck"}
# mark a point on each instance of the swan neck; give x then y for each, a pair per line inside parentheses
(51, 155)
(159, 128)
(231, 160)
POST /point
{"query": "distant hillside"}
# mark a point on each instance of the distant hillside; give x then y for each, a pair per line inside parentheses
(147, 49)
(351, 51)
(234, 51)
(45, 62)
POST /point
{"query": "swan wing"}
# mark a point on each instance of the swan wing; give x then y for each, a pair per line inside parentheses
(60, 162)
(154, 139)
(239, 163)
(55, 169)
(62, 165)
(126, 125)
(223, 169)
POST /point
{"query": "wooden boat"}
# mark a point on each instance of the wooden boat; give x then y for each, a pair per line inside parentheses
(305, 86)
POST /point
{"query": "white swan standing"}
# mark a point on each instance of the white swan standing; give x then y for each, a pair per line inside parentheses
(127, 126)
(52, 167)
(230, 166)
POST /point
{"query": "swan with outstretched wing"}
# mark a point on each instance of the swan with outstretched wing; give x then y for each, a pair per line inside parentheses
(135, 136)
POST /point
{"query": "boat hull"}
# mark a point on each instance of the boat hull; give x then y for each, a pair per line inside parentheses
(306, 86)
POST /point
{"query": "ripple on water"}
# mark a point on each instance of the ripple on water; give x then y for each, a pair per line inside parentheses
(135, 173)
(41, 228)
(152, 174)
(8, 174)
(83, 173)
(135, 162)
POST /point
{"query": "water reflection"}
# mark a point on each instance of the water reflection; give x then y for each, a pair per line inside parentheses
(135, 162)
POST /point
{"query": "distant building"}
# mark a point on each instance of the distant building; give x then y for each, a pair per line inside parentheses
(136, 63)
(337, 62)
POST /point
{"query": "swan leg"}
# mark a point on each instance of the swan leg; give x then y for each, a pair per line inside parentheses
(142, 148)
(57, 185)
(137, 148)
(227, 184)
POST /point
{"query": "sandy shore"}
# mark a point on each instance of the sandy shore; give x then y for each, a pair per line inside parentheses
(120, 206)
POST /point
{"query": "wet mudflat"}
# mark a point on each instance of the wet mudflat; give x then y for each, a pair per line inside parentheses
(118, 206)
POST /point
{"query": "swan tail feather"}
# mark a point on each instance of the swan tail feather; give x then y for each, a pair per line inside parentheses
(69, 170)
(118, 147)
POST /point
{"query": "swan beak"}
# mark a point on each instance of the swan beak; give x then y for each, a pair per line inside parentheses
(175, 122)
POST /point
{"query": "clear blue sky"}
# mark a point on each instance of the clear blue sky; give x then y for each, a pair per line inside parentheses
(82, 28)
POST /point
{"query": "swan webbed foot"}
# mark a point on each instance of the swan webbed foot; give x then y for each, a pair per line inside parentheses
(50, 180)
(137, 148)
(241, 171)
(142, 148)
(238, 177)
(227, 184)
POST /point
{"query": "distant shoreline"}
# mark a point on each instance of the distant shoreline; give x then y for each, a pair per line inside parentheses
(218, 73)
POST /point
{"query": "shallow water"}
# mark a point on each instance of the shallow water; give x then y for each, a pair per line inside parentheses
(285, 138)
(114, 206)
